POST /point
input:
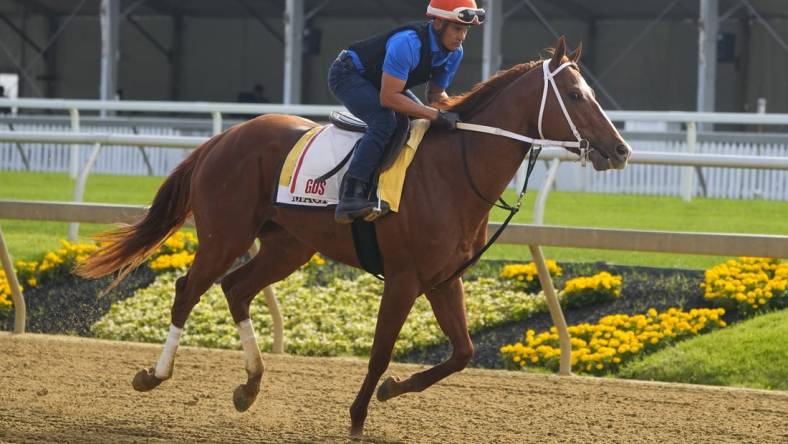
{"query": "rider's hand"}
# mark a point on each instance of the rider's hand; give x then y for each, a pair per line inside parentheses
(446, 119)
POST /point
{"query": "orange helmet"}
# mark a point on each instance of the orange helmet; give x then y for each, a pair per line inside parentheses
(464, 12)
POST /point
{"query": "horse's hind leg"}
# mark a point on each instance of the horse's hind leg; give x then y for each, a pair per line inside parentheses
(280, 254)
(214, 256)
(448, 304)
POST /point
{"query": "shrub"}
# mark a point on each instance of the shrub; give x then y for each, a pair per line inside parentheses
(616, 339)
(526, 276)
(748, 284)
(582, 291)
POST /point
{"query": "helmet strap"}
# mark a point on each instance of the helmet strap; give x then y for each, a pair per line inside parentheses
(440, 32)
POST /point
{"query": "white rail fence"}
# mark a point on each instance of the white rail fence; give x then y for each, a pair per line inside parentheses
(125, 160)
(719, 183)
(638, 179)
(667, 181)
(556, 155)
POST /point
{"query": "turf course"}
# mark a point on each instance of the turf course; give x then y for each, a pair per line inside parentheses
(27, 239)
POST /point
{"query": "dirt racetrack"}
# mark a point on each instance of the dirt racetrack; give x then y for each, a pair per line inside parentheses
(66, 389)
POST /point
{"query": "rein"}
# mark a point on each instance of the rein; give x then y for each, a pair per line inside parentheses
(533, 154)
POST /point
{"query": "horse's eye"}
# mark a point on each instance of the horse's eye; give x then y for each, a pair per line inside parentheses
(575, 96)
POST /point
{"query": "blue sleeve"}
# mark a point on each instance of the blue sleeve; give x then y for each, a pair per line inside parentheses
(402, 54)
(445, 75)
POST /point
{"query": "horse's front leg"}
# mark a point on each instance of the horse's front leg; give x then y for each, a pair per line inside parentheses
(448, 304)
(399, 294)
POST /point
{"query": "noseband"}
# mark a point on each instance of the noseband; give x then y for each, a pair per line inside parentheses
(582, 145)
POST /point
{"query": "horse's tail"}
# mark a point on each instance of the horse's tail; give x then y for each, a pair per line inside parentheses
(126, 247)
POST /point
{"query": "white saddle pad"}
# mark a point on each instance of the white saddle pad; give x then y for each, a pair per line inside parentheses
(320, 152)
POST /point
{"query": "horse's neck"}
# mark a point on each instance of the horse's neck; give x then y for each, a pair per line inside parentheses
(494, 160)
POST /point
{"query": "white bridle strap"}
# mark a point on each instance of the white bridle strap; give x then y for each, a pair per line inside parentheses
(549, 77)
(502, 132)
(580, 144)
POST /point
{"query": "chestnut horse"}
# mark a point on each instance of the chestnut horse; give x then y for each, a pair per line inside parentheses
(228, 184)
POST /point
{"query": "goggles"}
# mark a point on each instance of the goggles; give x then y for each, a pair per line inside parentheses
(466, 16)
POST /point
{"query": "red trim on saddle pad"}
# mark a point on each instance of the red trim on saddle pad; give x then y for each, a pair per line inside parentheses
(301, 159)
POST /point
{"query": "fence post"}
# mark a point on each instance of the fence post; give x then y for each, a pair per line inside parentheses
(73, 168)
(273, 308)
(276, 316)
(544, 191)
(687, 173)
(565, 366)
(20, 150)
(216, 116)
(79, 188)
(13, 282)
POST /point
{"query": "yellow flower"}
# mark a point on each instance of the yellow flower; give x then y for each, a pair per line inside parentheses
(744, 282)
(615, 338)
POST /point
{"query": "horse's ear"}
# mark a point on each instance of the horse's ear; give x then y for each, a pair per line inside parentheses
(558, 53)
(575, 55)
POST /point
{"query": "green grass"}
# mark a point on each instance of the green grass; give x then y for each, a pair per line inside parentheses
(752, 354)
(645, 213)
(26, 239)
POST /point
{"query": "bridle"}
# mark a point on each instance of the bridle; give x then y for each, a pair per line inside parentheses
(582, 145)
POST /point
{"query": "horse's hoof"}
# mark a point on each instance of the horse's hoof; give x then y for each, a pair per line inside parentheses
(145, 380)
(245, 394)
(357, 431)
(387, 390)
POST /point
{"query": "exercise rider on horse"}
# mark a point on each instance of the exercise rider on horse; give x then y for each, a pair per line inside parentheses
(372, 78)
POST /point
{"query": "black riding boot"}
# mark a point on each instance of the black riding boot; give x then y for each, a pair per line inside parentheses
(353, 200)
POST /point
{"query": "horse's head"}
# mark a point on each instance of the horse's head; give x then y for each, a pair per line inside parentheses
(607, 148)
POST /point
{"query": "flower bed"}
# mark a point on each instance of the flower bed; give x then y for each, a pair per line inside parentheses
(603, 347)
(748, 284)
(338, 319)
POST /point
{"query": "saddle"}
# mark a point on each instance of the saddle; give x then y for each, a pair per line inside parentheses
(349, 122)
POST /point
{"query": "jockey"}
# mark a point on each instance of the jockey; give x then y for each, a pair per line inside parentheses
(372, 78)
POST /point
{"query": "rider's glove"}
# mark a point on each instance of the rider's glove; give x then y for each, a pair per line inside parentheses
(447, 119)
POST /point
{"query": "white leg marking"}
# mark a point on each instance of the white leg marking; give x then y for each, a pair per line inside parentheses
(252, 356)
(167, 357)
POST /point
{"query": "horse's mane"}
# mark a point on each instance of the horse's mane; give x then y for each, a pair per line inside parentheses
(482, 92)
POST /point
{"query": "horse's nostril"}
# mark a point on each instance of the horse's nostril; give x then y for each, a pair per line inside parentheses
(623, 150)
